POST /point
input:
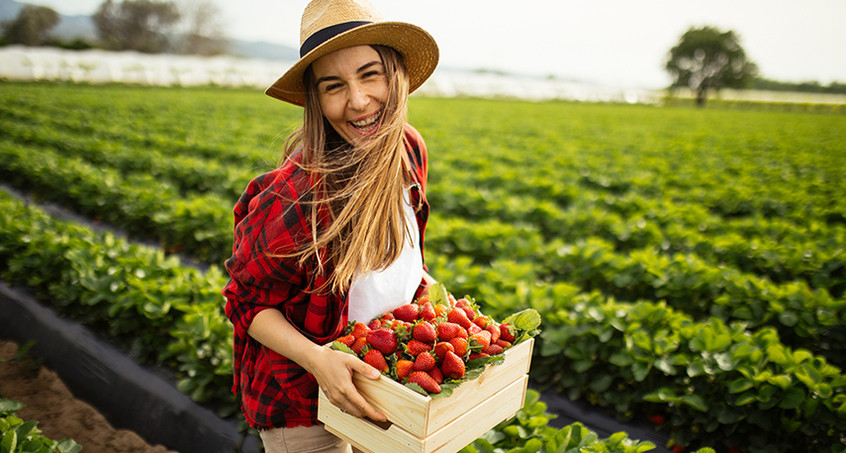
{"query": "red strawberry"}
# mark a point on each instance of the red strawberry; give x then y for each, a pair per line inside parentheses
(506, 332)
(375, 359)
(453, 366)
(503, 344)
(442, 348)
(425, 381)
(440, 309)
(458, 316)
(678, 449)
(474, 329)
(359, 345)
(407, 312)
(427, 311)
(493, 349)
(387, 317)
(425, 332)
(360, 330)
(463, 302)
(481, 321)
(459, 345)
(657, 419)
(462, 333)
(423, 299)
(476, 355)
(437, 375)
(383, 339)
(415, 347)
(347, 340)
(375, 324)
(495, 333)
(404, 368)
(482, 338)
(424, 362)
(448, 330)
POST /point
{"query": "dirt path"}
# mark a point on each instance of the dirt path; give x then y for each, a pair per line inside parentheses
(59, 415)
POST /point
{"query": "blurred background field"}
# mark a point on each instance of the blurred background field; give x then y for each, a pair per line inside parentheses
(689, 264)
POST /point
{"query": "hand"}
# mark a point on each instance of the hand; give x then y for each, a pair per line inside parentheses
(334, 371)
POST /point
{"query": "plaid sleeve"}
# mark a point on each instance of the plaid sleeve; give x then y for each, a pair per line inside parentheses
(268, 222)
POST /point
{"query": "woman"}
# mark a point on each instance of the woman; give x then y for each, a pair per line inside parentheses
(336, 232)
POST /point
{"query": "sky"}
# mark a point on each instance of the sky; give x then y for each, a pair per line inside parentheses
(614, 42)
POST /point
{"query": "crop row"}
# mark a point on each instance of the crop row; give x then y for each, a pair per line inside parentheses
(821, 267)
(165, 313)
(202, 226)
(151, 304)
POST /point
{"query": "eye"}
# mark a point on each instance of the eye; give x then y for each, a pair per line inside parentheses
(330, 87)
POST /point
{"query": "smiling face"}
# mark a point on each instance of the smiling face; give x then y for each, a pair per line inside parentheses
(352, 88)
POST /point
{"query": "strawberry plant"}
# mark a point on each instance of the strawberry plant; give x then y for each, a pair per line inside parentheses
(19, 436)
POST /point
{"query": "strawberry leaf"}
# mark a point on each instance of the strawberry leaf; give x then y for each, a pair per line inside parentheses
(416, 388)
(527, 323)
(338, 346)
(438, 294)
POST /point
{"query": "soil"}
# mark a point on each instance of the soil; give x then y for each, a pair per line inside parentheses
(60, 415)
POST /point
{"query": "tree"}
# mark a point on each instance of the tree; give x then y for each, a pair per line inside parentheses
(142, 25)
(203, 29)
(32, 25)
(709, 59)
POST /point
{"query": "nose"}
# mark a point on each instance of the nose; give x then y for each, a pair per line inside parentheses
(358, 97)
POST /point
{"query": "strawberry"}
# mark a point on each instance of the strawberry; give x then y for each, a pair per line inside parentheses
(383, 339)
(448, 330)
(453, 366)
(495, 332)
(437, 375)
(423, 299)
(358, 346)
(503, 344)
(387, 317)
(375, 324)
(360, 330)
(459, 346)
(458, 316)
(415, 347)
(407, 312)
(442, 348)
(462, 333)
(481, 321)
(657, 419)
(404, 368)
(427, 311)
(474, 329)
(476, 355)
(425, 381)
(424, 362)
(425, 332)
(347, 340)
(440, 310)
(482, 338)
(506, 332)
(375, 359)
(492, 349)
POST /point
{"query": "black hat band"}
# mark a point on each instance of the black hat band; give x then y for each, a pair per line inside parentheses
(321, 36)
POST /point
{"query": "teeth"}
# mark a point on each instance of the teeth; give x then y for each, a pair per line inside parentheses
(367, 121)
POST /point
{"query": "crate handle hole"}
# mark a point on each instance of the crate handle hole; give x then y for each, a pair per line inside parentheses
(381, 425)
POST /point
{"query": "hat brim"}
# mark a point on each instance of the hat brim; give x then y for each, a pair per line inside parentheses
(417, 47)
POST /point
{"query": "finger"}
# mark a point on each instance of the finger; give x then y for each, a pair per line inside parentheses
(366, 370)
(363, 409)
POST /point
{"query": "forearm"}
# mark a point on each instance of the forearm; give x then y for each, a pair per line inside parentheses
(272, 329)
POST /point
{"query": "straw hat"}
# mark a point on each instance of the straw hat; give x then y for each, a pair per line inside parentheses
(330, 25)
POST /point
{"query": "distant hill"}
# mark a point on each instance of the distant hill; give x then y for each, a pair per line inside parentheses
(82, 27)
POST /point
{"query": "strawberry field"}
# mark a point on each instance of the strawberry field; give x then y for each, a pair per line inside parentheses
(689, 265)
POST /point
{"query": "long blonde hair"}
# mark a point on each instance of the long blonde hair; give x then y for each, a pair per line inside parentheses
(360, 186)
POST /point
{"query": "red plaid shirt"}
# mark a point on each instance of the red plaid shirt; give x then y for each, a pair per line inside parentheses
(275, 391)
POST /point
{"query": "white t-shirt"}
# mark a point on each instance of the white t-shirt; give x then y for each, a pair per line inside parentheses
(379, 292)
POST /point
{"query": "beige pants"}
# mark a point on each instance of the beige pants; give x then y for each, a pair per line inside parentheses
(303, 439)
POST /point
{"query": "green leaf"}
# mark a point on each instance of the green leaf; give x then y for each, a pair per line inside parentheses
(793, 397)
(338, 346)
(9, 443)
(438, 294)
(8, 406)
(695, 401)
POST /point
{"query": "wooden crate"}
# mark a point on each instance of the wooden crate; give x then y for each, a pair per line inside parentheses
(418, 423)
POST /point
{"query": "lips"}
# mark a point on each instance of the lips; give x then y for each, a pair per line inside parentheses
(367, 125)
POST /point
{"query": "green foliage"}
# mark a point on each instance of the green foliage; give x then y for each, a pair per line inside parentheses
(31, 27)
(19, 436)
(681, 259)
